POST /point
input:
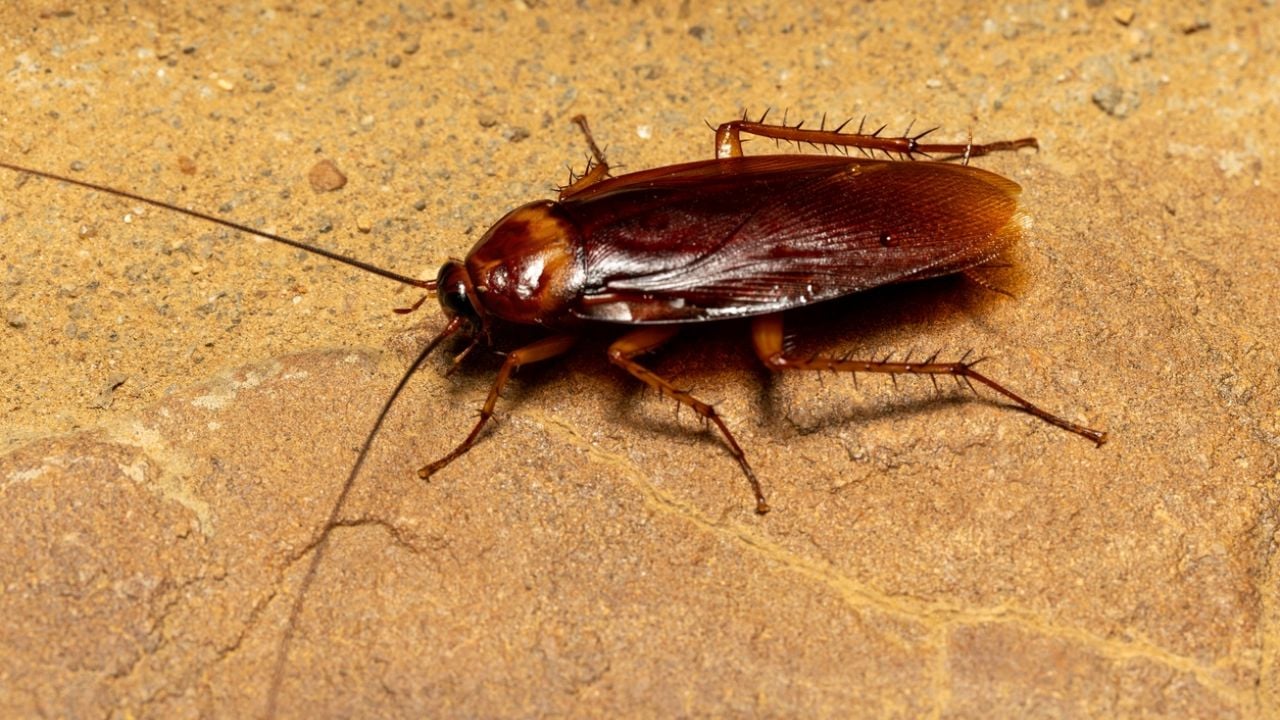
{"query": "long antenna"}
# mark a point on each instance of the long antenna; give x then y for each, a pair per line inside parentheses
(321, 543)
(415, 282)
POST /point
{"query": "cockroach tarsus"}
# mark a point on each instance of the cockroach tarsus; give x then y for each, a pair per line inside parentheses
(736, 236)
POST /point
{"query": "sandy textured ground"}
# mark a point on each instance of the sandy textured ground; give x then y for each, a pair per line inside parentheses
(182, 403)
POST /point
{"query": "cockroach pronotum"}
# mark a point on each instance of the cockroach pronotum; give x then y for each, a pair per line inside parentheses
(731, 237)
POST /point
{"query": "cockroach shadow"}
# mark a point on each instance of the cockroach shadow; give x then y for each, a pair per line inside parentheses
(870, 324)
(866, 322)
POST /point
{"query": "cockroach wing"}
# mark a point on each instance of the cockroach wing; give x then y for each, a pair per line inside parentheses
(753, 235)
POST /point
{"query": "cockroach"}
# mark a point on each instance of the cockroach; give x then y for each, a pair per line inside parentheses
(736, 236)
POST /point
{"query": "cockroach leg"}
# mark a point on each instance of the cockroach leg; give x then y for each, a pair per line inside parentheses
(729, 142)
(457, 359)
(622, 353)
(597, 170)
(417, 304)
(543, 349)
(766, 335)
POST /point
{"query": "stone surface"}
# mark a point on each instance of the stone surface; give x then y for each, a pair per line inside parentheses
(596, 555)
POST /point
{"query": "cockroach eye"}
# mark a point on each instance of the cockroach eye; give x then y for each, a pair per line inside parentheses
(451, 289)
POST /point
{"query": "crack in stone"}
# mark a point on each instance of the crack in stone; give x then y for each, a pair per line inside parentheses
(941, 615)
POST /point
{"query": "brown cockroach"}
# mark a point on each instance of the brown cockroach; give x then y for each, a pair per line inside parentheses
(732, 237)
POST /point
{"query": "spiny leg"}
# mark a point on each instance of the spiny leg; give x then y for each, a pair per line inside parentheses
(729, 141)
(766, 334)
(597, 169)
(543, 349)
(622, 353)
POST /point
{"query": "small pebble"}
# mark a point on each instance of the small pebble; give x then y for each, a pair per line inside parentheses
(326, 177)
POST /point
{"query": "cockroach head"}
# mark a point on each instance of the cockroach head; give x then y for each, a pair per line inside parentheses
(453, 288)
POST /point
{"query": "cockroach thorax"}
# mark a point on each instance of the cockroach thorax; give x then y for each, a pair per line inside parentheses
(527, 267)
